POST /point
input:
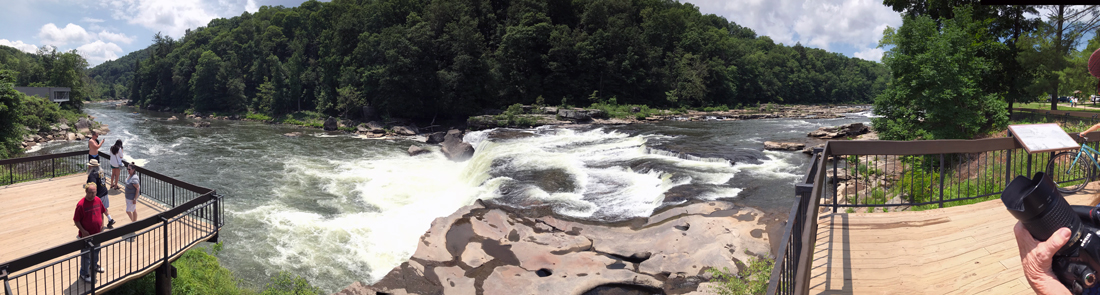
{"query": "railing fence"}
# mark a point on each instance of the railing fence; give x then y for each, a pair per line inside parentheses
(195, 215)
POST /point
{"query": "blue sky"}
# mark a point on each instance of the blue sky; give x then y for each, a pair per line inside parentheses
(104, 30)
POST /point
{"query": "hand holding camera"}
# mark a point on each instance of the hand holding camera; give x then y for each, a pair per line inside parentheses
(1053, 240)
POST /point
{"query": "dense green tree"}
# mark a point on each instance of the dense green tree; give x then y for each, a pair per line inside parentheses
(938, 76)
(11, 109)
(432, 58)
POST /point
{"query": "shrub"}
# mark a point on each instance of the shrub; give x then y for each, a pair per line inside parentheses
(751, 280)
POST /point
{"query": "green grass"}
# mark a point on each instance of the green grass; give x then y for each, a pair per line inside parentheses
(199, 272)
(257, 117)
(1063, 106)
(753, 279)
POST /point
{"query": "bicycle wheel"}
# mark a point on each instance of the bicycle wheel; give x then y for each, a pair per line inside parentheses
(1070, 179)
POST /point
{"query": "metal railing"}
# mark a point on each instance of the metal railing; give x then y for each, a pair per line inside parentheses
(42, 167)
(791, 248)
(127, 252)
(932, 173)
(906, 175)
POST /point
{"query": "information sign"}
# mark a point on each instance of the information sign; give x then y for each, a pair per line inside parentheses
(1038, 138)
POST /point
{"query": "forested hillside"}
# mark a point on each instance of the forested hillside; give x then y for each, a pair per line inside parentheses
(26, 115)
(427, 58)
(112, 78)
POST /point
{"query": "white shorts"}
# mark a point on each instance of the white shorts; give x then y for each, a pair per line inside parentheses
(131, 205)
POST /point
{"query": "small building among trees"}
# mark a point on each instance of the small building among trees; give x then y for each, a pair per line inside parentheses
(54, 94)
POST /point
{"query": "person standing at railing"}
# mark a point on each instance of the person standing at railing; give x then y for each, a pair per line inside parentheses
(133, 190)
(89, 220)
(93, 146)
(95, 175)
(116, 163)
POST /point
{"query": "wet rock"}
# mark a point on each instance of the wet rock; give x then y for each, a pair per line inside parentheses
(293, 134)
(474, 256)
(436, 137)
(173, 118)
(330, 124)
(783, 146)
(406, 130)
(201, 124)
(809, 150)
(511, 279)
(83, 123)
(433, 244)
(492, 225)
(506, 134)
(376, 127)
(580, 115)
(454, 281)
(454, 148)
(415, 150)
(70, 136)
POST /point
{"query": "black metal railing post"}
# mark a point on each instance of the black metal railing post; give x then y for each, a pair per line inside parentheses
(53, 168)
(941, 180)
(835, 184)
(1028, 165)
(173, 195)
(163, 278)
(1008, 166)
(4, 277)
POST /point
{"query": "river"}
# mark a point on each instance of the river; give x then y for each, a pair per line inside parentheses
(336, 208)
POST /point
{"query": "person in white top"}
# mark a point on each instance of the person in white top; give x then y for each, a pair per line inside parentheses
(116, 163)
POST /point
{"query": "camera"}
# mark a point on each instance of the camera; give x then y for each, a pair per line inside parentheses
(1043, 210)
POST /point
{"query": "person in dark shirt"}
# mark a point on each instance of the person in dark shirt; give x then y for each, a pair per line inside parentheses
(89, 221)
(95, 175)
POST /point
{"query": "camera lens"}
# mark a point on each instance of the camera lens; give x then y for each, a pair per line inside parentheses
(1039, 206)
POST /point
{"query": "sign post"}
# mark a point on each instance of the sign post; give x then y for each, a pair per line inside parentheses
(1041, 138)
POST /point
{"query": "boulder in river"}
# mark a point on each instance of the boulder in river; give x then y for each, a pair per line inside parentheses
(580, 115)
(510, 253)
(454, 148)
(415, 150)
(293, 134)
(173, 118)
(83, 123)
(783, 146)
(330, 124)
(846, 130)
(201, 124)
(436, 137)
(405, 130)
(376, 127)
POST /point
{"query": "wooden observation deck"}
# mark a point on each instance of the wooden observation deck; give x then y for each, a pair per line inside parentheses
(966, 249)
(41, 251)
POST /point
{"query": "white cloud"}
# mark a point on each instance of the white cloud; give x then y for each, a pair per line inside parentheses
(811, 22)
(71, 33)
(92, 20)
(29, 48)
(115, 37)
(173, 17)
(98, 52)
(871, 54)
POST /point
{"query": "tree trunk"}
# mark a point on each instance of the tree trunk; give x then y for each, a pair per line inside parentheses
(1058, 48)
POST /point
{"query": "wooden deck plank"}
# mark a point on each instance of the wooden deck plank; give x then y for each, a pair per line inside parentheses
(958, 250)
(40, 217)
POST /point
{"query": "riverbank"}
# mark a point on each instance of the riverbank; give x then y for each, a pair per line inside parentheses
(526, 116)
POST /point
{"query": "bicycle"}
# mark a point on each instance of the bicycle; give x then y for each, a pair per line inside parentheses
(1074, 176)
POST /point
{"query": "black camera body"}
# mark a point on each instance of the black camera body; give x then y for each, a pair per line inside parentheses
(1042, 209)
